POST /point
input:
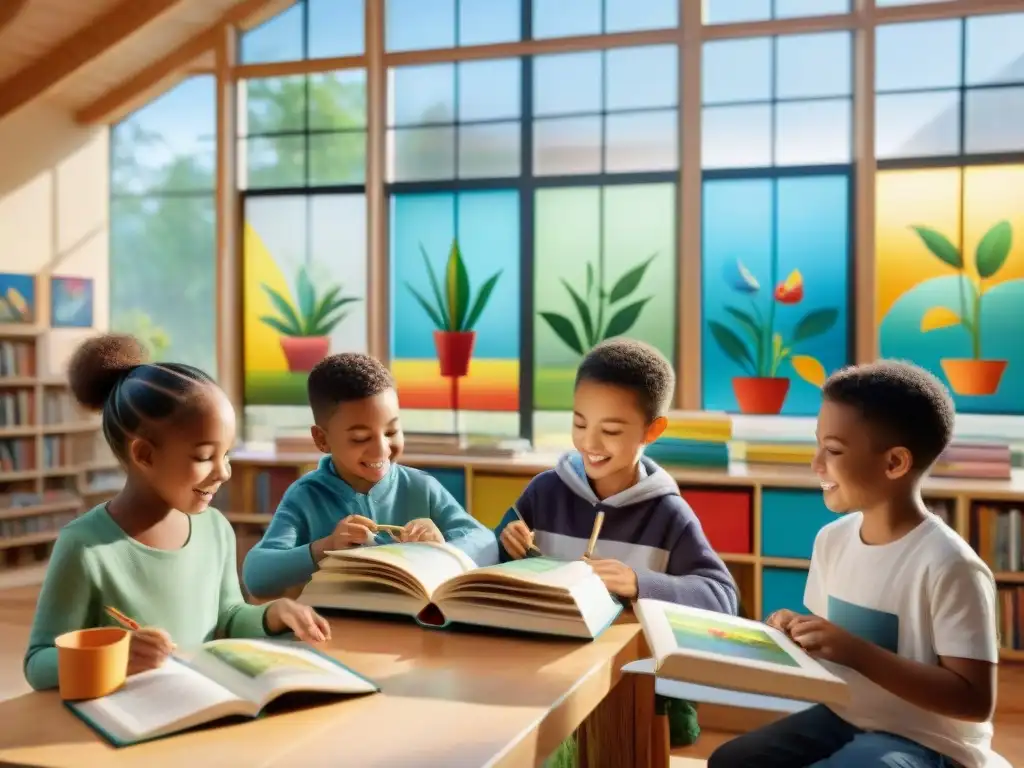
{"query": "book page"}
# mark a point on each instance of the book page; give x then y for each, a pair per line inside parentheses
(535, 572)
(160, 701)
(260, 670)
(430, 563)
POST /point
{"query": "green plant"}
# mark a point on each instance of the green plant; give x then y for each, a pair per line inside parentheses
(453, 311)
(311, 315)
(595, 309)
(989, 257)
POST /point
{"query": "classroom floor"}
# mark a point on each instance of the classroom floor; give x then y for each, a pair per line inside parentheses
(18, 604)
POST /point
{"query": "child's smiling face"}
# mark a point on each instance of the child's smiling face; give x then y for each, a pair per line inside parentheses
(364, 437)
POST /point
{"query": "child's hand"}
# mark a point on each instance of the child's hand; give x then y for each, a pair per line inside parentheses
(421, 529)
(516, 538)
(148, 649)
(307, 624)
(781, 620)
(352, 531)
(618, 577)
(824, 640)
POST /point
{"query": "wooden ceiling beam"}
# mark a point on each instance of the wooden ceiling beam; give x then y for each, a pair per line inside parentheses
(70, 55)
(9, 11)
(148, 83)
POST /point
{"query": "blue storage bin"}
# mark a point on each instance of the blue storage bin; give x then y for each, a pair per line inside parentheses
(782, 588)
(790, 519)
(453, 480)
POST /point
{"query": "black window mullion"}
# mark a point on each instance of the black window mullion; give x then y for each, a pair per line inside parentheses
(526, 218)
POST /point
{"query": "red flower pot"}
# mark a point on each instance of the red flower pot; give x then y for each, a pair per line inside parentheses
(761, 394)
(303, 352)
(454, 351)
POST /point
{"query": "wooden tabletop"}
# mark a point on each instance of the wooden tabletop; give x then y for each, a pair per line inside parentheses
(448, 699)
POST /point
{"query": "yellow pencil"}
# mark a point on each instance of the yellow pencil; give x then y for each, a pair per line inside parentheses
(598, 522)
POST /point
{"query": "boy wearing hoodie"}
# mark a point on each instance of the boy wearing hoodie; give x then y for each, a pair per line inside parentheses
(356, 485)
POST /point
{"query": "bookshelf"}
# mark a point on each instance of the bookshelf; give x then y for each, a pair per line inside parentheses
(761, 521)
(44, 441)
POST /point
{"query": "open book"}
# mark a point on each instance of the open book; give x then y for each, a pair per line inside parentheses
(223, 678)
(438, 584)
(722, 651)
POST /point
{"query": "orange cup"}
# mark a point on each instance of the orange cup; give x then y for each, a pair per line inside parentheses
(91, 662)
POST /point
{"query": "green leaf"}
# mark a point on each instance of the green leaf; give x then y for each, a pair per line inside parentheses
(284, 307)
(939, 244)
(732, 345)
(629, 282)
(815, 324)
(280, 327)
(750, 325)
(334, 306)
(564, 330)
(307, 299)
(321, 305)
(432, 313)
(435, 286)
(584, 313)
(624, 319)
(993, 249)
(328, 324)
(481, 300)
(457, 285)
(590, 278)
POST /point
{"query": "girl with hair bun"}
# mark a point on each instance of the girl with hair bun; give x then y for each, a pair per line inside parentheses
(156, 551)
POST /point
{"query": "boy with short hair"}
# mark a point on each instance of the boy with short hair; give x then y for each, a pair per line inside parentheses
(358, 484)
(900, 605)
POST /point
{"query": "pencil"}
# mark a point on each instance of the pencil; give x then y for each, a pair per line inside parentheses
(389, 528)
(598, 522)
(531, 550)
(121, 619)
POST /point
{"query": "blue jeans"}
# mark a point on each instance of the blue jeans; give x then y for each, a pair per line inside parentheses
(819, 738)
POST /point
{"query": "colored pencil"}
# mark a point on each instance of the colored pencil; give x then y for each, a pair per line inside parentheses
(121, 619)
(598, 522)
(532, 550)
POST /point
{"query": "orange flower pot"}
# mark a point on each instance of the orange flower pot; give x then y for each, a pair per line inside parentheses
(304, 352)
(761, 394)
(454, 351)
(973, 377)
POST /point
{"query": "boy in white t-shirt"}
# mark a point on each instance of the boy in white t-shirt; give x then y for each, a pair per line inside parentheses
(901, 607)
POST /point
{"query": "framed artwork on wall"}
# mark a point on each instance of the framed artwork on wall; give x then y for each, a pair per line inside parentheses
(71, 302)
(17, 298)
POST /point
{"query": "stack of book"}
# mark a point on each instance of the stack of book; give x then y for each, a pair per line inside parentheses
(992, 461)
(454, 444)
(996, 537)
(775, 453)
(693, 438)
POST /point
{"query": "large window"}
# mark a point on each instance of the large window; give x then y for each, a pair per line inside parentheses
(309, 29)
(162, 225)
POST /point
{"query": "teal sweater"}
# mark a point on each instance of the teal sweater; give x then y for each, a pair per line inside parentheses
(319, 500)
(192, 593)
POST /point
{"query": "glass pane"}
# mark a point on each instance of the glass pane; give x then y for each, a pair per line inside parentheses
(917, 124)
(325, 236)
(567, 83)
(892, 3)
(169, 144)
(737, 70)
(813, 132)
(565, 18)
(641, 141)
(156, 242)
(567, 145)
(730, 11)
(736, 137)
(791, 9)
(633, 15)
(421, 154)
(274, 161)
(629, 80)
(995, 49)
(994, 120)
(277, 39)
(483, 22)
(919, 55)
(337, 100)
(422, 95)
(572, 242)
(489, 150)
(486, 225)
(771, 228)
(808, 66)
(335, 28)
(337, 158)
(274, 105)
(416, 25)
(489, 90)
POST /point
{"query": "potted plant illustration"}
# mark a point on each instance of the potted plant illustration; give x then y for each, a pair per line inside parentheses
(306, 324)
(972, 375)
(602, 313)
(763, 351)
(454, 314)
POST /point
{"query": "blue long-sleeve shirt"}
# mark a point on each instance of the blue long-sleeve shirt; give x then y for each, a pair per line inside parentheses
(648, 527)
(318, 501)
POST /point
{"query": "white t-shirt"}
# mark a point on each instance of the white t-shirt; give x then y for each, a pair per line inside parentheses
(925, 595)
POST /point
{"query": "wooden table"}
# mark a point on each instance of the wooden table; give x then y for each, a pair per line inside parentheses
(448, 699)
